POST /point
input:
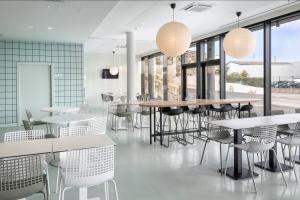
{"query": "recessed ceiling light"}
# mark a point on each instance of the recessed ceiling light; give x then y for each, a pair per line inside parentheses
(50, 28)
(48, 6)
(30, 27)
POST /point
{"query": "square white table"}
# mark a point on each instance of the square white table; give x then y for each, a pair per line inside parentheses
(237, 171)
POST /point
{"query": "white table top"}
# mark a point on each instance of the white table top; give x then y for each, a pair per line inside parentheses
(80, 142)
(28, 147)
(60, 109)
(67, 118)
(258, 121)
(43, 146)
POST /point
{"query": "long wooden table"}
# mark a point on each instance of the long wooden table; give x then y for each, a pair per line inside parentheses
(158, 104)
(237, 171)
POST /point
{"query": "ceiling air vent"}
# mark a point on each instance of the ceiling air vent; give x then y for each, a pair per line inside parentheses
(196, 7)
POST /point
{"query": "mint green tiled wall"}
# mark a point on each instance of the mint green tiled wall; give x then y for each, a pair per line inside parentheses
(67, 63)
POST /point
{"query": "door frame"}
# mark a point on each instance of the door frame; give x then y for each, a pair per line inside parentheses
(19, 102)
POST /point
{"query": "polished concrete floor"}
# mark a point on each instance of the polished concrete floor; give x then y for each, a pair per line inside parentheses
(152, 172)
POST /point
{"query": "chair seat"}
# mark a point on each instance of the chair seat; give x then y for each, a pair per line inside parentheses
(125, 114)
(38, 122)
(285, 131)
(227, 140)
(50, 136)
(145, 112)
(289, 141)
(253, 147)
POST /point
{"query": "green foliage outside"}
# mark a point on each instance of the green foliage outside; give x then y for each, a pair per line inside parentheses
(244, 79)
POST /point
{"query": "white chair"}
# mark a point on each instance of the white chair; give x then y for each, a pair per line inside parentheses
(293, 140)
(22, 177)
(262, 140)
(98, 125)
(220, 135)
(87, 167)
(30, 135)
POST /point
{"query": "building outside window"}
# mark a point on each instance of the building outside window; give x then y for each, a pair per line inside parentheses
(285, 67)
(174, 78)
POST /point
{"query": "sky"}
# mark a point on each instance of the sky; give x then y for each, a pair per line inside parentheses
(285, 43)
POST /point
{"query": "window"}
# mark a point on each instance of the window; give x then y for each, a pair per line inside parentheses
(285, 65)
(157, 71)
(174, 78)
(145, 76)
(190, 55)
(245, 77)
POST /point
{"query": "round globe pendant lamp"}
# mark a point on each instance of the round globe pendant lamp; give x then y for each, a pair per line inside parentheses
(173, 38)
(239, 42)
(114, 70)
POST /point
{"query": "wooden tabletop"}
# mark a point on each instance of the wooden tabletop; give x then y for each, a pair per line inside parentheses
(253, 122)
(194, 102)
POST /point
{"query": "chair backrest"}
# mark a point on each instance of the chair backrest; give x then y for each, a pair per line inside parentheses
(98, 125)
(263, 138)
(27, 125)
(246, 115)
(74, 131)
(277, 112)
(20, 177)
(217, 132)
(29, 116)
(88, 167)
(24, 135)
(121, 108)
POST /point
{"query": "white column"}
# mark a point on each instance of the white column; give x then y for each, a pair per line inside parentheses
(131, 66)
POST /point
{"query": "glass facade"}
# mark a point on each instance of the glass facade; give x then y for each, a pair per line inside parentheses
(245, 77)
(285, 65)
(276, 57)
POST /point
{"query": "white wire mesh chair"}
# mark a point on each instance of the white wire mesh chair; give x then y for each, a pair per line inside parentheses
(98, 125)
(22, 177)
(262, 140)
(30, 135)
(293, 140)
(221, 135)
(87, 167)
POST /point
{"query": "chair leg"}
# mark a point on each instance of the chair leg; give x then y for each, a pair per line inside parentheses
(294, 165)
(221, 162)
(279, 167)
(116, 189)
(106, 190)
(226, 161)
(203, 151)
(251, 170)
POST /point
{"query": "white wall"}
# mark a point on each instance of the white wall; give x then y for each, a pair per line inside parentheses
(95, 85)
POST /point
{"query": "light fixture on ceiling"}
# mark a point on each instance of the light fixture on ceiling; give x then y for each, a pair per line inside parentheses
(50, 28)
(30, 27)
(114, 70)
(239, 42)
(173, 38)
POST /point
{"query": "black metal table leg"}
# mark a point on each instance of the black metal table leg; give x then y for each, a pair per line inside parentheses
(237, 171)
(160, 126)
(150, 115)
(239, 109)
(272, 164)
(154, 123)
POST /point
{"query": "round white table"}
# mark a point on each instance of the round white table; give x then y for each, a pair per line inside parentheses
(65, 119)
(60, 109)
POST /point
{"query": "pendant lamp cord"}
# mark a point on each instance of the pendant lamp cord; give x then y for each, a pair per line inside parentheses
(173, 5)
(238, 14)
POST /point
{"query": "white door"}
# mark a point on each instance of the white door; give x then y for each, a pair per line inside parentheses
(34, 93)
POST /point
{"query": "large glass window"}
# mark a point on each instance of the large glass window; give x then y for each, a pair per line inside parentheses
(145, 76)
(174, 78)
(158, 76)
(190, 56)
(191, 83)
(245, 77)
(286, 65)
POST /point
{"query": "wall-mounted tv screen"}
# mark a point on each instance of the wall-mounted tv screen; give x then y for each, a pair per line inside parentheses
(107, 75)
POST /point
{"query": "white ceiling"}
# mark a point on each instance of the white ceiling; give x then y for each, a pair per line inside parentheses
(102, 24)
(73, 21)
(146, 17)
